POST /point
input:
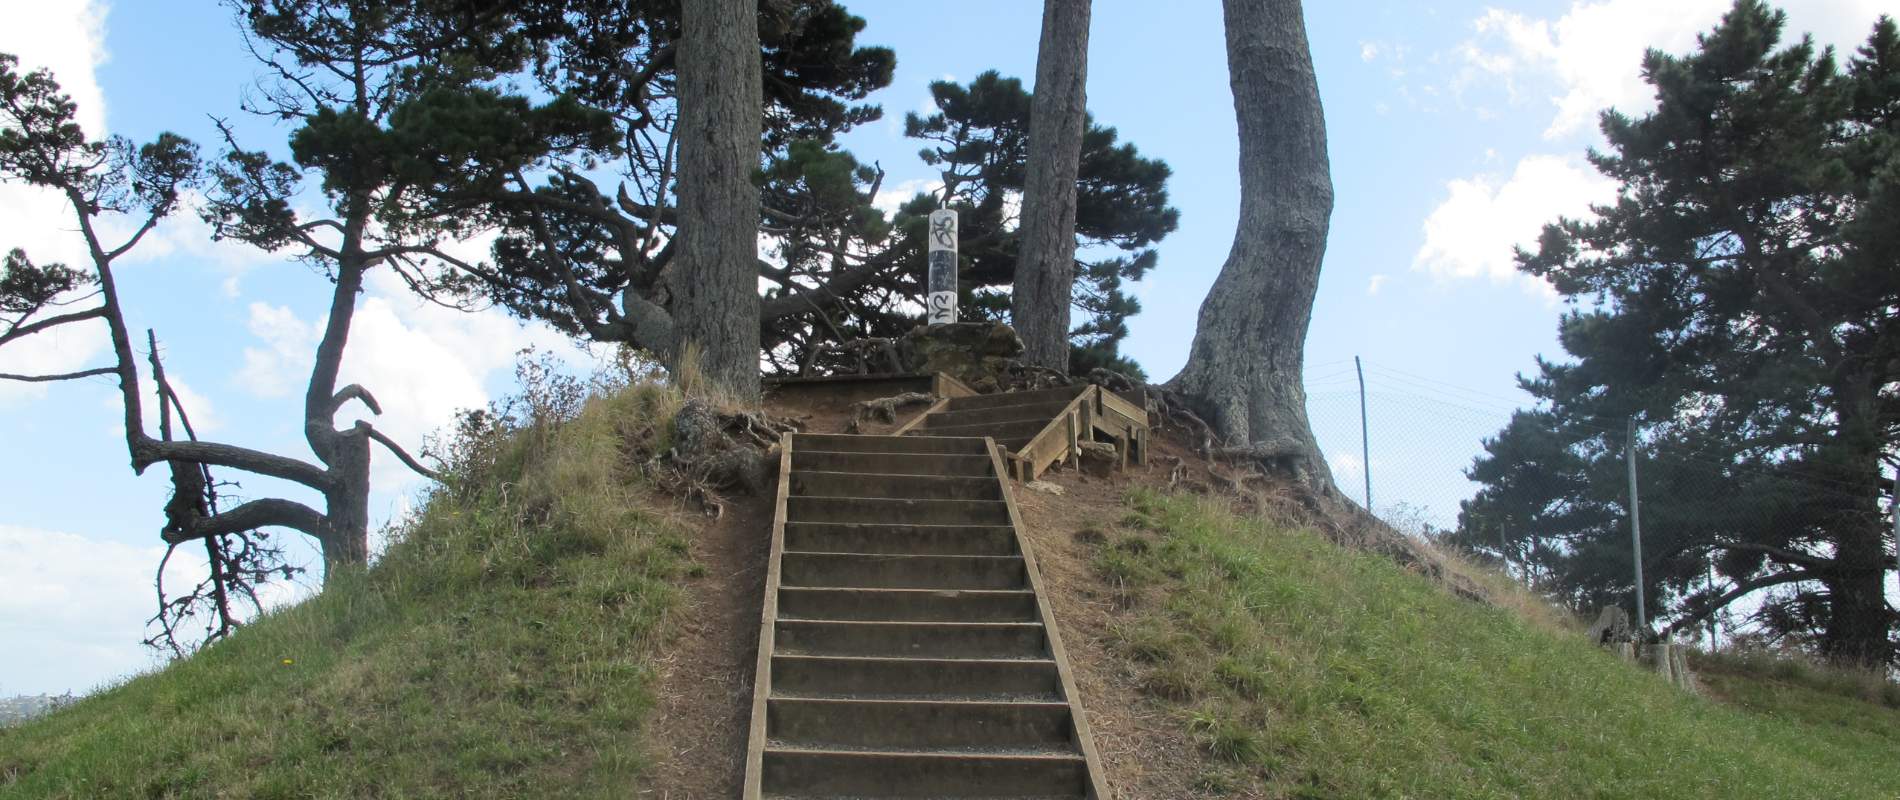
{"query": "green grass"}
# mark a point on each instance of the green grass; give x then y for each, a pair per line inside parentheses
(500, 648)
(1307, 671)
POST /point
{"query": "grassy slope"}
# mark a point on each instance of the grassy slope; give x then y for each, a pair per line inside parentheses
(1308, 671)
(500, 648)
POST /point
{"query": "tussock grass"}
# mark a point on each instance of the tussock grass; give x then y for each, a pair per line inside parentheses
(1306, 670)
(500, 648)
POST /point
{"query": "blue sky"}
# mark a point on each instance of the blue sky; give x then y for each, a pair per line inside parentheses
(1456, 129)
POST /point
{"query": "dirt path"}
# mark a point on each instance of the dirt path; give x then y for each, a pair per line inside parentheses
(1144, 749)
(698, 730)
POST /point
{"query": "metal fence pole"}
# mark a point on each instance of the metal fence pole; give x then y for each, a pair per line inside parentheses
(1636, 530)
(1365, 436)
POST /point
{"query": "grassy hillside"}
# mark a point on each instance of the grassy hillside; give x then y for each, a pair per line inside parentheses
(500, 648)
(504, 647)
(1307, 671)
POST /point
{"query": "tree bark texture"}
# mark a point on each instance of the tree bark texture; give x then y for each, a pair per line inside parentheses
(1244, 368)
(714, 293)
(1859, 623)
(1058, 114)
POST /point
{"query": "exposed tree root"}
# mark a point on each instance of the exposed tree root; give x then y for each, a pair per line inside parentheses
(884, 409)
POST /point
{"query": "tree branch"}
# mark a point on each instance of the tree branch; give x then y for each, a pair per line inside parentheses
(28, 329)
(6, 376)
(150, 451)
(401, 455)
(1741, 589)
(354, 391)
(268, 512)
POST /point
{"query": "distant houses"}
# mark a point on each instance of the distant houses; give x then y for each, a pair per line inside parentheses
(21, 708)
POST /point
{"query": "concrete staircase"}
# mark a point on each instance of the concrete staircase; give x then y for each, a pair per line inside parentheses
(1041, 428)
(905, 648)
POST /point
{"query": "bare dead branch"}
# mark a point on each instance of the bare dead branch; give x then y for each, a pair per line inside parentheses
(65, 376)
(29, 328)
(268, 512)
(354, 391)
(401, 455)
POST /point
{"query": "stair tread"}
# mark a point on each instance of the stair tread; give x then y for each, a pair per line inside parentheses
(777, 745)
(897, 556)
(960, 697)
(910, 660)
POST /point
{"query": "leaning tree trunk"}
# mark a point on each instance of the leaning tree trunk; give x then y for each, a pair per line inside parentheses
(1045, 264)
(1244, 369)
(715, 294)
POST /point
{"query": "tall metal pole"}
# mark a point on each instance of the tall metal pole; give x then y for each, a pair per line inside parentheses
(943, 267)
(1365, 437)
(1636, 531)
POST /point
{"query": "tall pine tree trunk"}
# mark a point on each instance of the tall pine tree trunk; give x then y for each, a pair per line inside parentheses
(714, 285)
(1244, 370)
(1858, 624)
(1045, 265)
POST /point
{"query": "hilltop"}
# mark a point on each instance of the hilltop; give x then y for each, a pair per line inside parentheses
(553, 624)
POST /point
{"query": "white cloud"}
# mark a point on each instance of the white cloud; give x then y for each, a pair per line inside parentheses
(62, 349)
(77, 605)
(422, 362)
(1368, 51)
(889, 199)
(287, 344)
(1594, 51)
(1376, 283)
(1471, 234)
(68, 39)
(185, 236)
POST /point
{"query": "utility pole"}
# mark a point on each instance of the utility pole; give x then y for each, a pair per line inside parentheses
(1365, 437)
(1636, 532)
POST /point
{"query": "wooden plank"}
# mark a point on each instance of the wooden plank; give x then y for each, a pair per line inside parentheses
(949, 386)
(768, 623)
(1084, 739)
(1049, 444)
(907, 427)
(1114, 402)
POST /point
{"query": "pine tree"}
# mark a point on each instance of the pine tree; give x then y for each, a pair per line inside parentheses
(1744, 307)
(1243, 371)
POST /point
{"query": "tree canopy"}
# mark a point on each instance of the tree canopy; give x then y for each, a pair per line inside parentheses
(1741, 301)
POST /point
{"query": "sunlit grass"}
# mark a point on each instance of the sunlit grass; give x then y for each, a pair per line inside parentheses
(1305, 670)
(501, 647)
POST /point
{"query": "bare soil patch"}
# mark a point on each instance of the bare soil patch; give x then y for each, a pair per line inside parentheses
(704, 691)
(1144, 746)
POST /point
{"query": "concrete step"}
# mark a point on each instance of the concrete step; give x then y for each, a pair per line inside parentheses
(907, 605)
(1014, 398)
(998, 414)
(1022, 428)
(911, 639)
(919, 487)
(801, 774)
(896, 511)
(846, 443)
(914, 678)
(891, 463)
(919, 725)
(883, 571)
(945, 540)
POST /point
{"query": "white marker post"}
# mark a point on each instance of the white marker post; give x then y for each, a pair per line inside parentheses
(943, 267)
